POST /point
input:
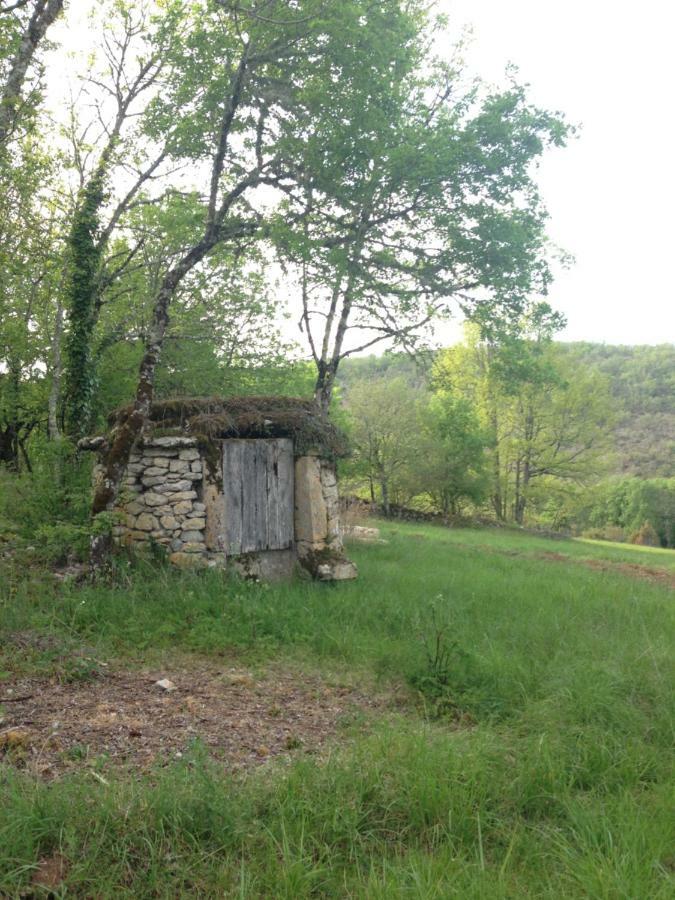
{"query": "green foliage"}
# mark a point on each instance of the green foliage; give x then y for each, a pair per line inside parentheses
(58, 543)
(627, 503)
(55, 494)
(384, 422)
(454, 471)
(448, 677)
(30, 263)
(519, 422)
(85, 254)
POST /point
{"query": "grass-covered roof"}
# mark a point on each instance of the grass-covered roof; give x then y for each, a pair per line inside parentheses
(244, 417)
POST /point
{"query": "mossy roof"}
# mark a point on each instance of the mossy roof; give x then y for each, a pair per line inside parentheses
(245, 417)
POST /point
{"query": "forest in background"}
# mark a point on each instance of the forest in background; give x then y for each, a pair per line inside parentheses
(568, 436)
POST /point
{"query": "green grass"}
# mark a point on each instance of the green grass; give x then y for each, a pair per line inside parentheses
(521, 541)
(550, 777)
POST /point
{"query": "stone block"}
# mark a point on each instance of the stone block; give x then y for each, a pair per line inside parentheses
(195, 523)
(171, 441)
(311, 519)
(152, 499)
(153, 480)
(182, 508)
(153, 471)
(160, 462)
(189, 454)
(341, 570)
(157, 452)
(199, 507)
(186, 560)
(194, 547)
(192, 536)
(179, 465)
(182, 495)
(196, 466)
(328, 476)
(169, 522)
(146, 522)
(170, 487)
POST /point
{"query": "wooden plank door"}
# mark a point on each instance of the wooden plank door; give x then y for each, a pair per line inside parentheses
(258, 494)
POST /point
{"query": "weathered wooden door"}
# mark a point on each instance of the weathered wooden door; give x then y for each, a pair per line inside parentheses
(258, 489)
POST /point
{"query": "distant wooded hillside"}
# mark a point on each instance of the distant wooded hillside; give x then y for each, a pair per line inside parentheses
(642, 380)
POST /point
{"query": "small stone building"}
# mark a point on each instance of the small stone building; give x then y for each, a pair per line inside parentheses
(248, 482)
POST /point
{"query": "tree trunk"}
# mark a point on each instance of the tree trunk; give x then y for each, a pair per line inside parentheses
(44, 14)
(521, 501)
(55, 390)
(384, 487)
(116, 457)
(9, 448)
(497, 498)
(323, 388)
(516, 496)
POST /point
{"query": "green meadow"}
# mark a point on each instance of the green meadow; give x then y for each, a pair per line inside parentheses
(525, 748)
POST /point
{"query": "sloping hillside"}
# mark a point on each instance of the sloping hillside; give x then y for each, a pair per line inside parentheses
(642, 382)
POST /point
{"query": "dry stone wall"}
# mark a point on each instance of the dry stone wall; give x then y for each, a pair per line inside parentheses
(162, 498)
(167, 499)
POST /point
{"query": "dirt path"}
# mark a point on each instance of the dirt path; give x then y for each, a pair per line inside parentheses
(125, 718)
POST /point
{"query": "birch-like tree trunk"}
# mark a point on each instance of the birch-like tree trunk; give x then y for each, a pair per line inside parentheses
(44, 14)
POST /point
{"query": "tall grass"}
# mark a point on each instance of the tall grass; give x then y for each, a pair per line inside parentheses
(555, 783)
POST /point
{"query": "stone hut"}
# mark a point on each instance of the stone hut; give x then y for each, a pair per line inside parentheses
(246, 482)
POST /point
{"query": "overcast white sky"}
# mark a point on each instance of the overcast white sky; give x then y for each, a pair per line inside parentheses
(608, 64)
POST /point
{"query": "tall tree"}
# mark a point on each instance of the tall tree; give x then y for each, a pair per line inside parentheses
(133, 54)
(385, 428)
(547, 419)
(30, 21)
(31, 257)
(240, 79)
(428, 200)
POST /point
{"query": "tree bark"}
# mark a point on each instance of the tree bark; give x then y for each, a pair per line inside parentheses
(45, 13)
(384, 487)
(57, 370)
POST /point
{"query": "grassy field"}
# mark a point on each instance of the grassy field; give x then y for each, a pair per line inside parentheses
(528, 752)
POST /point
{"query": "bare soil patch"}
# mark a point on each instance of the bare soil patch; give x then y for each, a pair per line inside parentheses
(660, 576)
(123, 718)
(632, 570)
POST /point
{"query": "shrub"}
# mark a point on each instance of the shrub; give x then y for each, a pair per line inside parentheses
(60, 543)
(608, 533)
(646, 536)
